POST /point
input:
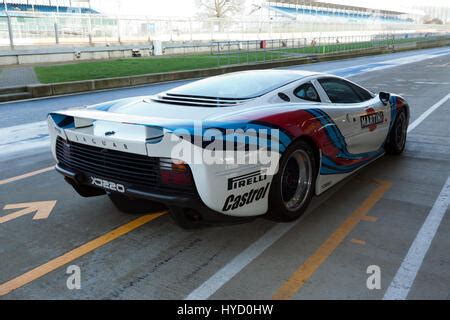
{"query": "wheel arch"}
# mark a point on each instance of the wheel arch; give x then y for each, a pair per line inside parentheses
(402, 106)
(315, 147)
(407, 110)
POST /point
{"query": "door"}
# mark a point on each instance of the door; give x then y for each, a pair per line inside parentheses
(361, 117)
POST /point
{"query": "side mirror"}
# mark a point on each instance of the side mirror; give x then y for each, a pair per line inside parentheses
(385, 97)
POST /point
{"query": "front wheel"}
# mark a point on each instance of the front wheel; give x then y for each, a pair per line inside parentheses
(293, 185)
(396, 140)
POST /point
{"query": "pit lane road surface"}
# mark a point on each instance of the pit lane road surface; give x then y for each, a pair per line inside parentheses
(377, 218)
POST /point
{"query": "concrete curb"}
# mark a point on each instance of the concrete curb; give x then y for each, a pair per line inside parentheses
(48, 90)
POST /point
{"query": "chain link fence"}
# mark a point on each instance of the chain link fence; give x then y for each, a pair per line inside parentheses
(260, 51)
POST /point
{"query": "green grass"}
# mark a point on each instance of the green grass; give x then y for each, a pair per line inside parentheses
(129, 67)
(139, 66)
(121, 68)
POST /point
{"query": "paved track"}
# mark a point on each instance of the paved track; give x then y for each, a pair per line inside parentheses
(17, 76)
(376, 218)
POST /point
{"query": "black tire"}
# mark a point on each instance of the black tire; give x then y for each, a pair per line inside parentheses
(186, 219)
(280, 191)
(396, 141)
(134, 206)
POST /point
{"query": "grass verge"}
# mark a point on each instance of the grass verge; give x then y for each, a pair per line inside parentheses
(139, 66)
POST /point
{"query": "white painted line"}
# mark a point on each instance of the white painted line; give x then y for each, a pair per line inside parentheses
(26, 137)
(210, 286)
(432, 83)
(23, 132)
(227, 272)
(24, 149)
(406, 274)
(427, 113)
(221, 277)
(387, 64)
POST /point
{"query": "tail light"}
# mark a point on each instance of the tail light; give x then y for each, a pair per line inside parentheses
(175, 173)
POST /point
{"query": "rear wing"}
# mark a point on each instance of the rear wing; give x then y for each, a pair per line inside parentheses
(151, 129)
(74, 118)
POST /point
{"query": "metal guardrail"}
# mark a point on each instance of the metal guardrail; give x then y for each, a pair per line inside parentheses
(38, 91)
(18, 29)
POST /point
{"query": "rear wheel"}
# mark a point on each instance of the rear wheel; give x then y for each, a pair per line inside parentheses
(396, 141)
(187, 219)
(133, 206)
(293, 185)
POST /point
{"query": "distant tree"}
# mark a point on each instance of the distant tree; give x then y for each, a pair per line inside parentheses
(434, 21)
(255, 5)
(431, 20)
(219, 8)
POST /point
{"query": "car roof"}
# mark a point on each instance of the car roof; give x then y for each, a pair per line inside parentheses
(279, 72)
(241, 85)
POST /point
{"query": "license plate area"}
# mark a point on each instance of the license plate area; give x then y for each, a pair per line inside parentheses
(106, 184)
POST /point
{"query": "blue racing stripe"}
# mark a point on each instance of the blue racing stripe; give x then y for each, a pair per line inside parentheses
(338, 140)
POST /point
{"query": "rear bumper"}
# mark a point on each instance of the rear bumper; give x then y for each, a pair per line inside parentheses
(171, 199)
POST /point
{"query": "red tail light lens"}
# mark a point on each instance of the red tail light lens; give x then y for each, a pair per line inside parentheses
(175, 172)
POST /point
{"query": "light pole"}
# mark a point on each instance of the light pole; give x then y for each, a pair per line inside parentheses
(10, 29)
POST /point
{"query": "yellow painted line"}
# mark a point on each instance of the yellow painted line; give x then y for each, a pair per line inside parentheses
(70, 256)
(370, 218)
(26, 175)
(306, 271)
(357, 241)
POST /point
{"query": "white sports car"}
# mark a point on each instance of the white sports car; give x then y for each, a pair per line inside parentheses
(237, 145)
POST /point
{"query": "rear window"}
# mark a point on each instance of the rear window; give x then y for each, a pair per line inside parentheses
(307, 92)
(237, 85)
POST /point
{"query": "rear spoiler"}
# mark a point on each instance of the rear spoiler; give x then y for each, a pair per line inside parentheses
(70, 118)
(82, 118)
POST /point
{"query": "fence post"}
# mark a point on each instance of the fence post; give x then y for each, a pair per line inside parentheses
(10, 31)
(56, 33)
(56, 30)
(218, 54)
(229, 52)
(248, 51)
(149, 34)
(90, 29)
(119, 37)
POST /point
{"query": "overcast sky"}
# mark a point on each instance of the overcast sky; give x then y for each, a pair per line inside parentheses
(188, 8)
(147, 7)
